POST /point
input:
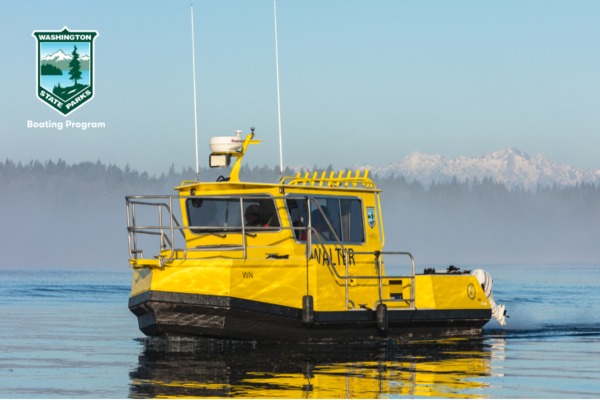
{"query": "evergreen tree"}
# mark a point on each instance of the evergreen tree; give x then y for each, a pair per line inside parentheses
(57, 90)
(75, 65)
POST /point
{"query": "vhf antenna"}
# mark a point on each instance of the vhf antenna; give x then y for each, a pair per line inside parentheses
(278, 96)
(195, 107)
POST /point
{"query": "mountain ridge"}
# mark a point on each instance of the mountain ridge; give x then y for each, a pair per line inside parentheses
(60, 55)
(512, 167)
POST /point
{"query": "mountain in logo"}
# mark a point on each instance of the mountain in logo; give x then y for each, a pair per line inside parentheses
(511, 167)
(57, 56)
(59, 59)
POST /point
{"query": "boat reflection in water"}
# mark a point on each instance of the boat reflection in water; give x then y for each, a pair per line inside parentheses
(452, 367)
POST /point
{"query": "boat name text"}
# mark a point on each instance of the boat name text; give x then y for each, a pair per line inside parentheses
(325, 257)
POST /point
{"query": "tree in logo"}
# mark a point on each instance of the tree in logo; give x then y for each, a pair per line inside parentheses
(74, 75)
(75, 65)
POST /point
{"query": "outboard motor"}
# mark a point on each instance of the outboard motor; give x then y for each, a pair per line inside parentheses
(484, 278)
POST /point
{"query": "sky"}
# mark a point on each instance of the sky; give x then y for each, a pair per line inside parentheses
(362, 81)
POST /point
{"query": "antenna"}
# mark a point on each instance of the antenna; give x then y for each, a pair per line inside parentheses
(278, 96)
(195, 108)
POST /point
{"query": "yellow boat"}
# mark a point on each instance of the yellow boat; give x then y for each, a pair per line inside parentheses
(302, 259)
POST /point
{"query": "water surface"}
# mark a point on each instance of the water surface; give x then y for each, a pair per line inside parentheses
(69, 334)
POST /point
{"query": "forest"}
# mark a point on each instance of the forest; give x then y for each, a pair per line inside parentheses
(49, 69)
(61, 215)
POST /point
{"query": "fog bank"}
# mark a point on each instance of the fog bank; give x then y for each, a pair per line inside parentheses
(73, 216)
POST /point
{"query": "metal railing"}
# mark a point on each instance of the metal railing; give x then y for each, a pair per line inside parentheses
(166, 241)
(378, 262)
(167, 232)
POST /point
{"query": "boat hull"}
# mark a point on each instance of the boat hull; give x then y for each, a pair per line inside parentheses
(180, 314)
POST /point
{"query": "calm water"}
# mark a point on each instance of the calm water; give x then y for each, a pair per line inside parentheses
(70, 334)
(49, 81)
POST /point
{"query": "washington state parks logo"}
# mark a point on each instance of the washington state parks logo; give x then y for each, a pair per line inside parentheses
(65, 68)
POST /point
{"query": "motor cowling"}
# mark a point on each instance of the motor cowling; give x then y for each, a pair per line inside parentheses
(498, 310)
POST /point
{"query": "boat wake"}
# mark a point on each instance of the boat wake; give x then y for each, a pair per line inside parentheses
(550, 330)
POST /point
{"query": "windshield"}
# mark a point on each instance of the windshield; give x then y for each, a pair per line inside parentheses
(330, 217)
(210, 214)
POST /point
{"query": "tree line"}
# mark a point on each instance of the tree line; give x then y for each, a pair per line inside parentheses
(111, 177)
(65, 214)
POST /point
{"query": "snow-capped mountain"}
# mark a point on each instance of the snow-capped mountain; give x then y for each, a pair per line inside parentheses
(511, 167)
(57, 56)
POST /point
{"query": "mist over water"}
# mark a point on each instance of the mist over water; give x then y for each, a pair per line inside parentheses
(487, 224)
(57, 215)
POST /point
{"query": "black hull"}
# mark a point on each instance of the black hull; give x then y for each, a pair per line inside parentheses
(181, 314)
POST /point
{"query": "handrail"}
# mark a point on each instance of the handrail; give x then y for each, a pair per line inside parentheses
(379, 276)
(331, 180)
(347, 276)
(133, 228)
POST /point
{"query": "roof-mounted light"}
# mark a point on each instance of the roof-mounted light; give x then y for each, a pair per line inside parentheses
(219, 160)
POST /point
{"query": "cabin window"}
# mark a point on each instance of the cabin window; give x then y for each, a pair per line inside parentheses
(332, 218)
(206, 214)
(298, 212)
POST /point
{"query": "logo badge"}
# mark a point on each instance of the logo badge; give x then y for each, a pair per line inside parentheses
(471, 291)
(65, 68)
(371, 216)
